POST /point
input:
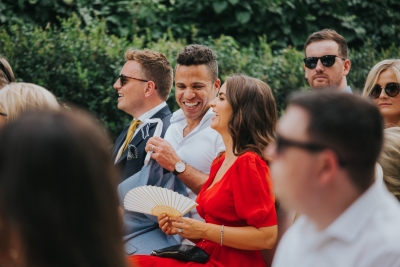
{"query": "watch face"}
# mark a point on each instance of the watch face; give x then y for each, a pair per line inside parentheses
(180, 166)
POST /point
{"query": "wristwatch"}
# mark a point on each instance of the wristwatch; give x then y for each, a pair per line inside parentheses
(180, 167)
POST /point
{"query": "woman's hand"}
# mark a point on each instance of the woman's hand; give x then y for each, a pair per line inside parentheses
(185, 227)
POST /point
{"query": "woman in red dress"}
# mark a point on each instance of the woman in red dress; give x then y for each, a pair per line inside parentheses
(237, 201)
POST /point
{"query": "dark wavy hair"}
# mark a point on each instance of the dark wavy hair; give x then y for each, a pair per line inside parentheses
(58, 191)
(254, 115)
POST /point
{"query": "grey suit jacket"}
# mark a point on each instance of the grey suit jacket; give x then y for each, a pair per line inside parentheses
(141, 231)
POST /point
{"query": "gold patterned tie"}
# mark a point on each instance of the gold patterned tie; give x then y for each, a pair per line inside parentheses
(131, 131)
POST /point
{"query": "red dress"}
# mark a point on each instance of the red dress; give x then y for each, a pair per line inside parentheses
(242, 197)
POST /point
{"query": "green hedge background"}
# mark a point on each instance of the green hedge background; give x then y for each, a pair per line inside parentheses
(75, 48)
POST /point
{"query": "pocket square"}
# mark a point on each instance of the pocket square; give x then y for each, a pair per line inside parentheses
(132, 152)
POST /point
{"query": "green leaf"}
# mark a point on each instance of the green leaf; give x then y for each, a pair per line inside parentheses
(233, 2)
(219, 6)
(243, 17)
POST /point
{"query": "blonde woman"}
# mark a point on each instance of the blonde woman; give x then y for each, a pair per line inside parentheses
(390, 160)
(383, 87)
(15, 98)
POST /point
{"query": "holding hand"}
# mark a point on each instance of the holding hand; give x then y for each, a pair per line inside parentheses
(163, 152)
(185, 227)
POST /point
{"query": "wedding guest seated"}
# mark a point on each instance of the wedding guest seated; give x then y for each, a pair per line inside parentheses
(58, 203)
(15, 98)
(237, 201)
(390, 160)
(383, 87)
(6, 73)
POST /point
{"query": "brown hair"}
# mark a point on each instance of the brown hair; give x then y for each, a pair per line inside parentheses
(254, 115)
(330, 35)
(6, 72)
(58, 190)
(390, 160)
(195, 54)
(156, 68)
(349, 125)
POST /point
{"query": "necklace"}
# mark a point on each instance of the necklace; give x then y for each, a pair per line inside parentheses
(226, 161)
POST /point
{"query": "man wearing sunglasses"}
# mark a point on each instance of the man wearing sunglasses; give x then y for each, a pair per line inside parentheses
(143, 86)
(323, 167)
(326, 62)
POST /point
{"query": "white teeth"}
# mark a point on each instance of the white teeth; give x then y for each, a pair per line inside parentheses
(191, 104)
(120, 95)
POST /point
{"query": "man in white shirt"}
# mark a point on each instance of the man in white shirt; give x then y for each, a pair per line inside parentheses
(322, 165)
(143, 87)
(190, 145)
(326, 64)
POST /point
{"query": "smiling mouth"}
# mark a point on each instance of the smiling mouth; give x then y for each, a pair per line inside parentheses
(191, 104)
(120, 95)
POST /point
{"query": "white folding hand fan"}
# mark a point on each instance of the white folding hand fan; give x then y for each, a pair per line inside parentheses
(157, 200)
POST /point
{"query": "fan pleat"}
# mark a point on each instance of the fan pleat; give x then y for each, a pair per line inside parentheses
(157, 200)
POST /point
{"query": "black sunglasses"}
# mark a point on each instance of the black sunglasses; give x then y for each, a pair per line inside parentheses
(391, 89)
(282, 143)
(3, 68)
(327, 61)
(124, 79)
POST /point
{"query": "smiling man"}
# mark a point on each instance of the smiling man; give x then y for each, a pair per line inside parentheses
(143, 87)
(326, 64)
(190, 145)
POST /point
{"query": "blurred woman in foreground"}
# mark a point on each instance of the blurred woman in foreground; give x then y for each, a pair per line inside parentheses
(58, 203)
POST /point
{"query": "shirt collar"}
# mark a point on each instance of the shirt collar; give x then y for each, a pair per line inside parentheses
(147, 115)
(354, 218)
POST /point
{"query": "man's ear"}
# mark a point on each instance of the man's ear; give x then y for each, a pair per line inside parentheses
(217, 85)
(347, 66)
(328, 166)
(150, 89)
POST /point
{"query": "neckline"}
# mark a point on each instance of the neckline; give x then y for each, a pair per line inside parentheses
(222, 158)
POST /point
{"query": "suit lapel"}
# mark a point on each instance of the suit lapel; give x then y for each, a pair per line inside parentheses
(138, 138)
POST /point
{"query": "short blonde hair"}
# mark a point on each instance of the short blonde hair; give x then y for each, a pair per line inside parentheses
(393, 64)
(15, 98)
(390, 160)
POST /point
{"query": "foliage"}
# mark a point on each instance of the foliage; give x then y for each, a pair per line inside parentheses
(80, 64)
(284, 22)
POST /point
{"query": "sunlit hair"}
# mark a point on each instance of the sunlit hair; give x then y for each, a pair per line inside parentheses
(373, 75)
(16, 98)
(196, 54)
(390, 160)
(155, 67)
(329, 35)
(254, 115)
(6, 72)
(58, 192)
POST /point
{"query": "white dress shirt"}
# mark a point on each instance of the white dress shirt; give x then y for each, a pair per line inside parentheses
(367, 234)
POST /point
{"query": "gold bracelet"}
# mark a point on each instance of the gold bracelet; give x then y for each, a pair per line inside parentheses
(222, 234)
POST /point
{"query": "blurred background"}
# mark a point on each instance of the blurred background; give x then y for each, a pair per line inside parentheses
(75, 48)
